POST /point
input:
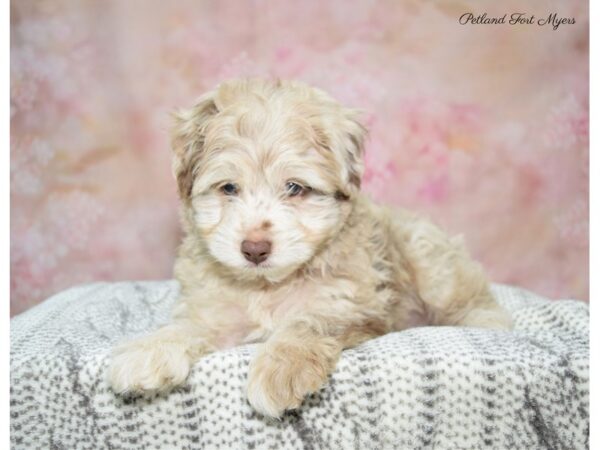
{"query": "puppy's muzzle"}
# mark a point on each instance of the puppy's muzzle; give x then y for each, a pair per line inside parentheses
(256, 252)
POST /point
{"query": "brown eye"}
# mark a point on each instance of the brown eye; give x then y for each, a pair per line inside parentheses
(294, 189)
(230, 189)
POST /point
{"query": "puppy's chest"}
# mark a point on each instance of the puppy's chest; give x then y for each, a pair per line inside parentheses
(269, 309)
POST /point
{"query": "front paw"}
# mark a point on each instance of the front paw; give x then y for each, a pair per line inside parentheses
(148, 366)
(281, 376)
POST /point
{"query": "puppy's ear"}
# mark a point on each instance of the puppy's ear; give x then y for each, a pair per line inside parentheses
(352, 136)
(187, 141)
(344, 135)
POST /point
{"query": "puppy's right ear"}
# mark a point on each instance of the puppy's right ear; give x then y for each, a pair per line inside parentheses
(187, 141)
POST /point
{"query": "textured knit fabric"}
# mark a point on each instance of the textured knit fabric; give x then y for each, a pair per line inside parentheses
(429, 387)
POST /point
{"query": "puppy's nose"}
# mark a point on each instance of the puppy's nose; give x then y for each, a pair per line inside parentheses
(256, 252)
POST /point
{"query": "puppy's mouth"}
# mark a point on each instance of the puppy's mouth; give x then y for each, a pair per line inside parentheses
(265, 265)
(265, 271)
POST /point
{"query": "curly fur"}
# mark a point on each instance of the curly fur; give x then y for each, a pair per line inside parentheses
(342, 269)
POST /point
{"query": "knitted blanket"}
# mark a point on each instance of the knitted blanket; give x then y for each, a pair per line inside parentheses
(429, 387)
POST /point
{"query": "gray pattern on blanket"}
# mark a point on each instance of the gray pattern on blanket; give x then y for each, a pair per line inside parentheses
(438, 388)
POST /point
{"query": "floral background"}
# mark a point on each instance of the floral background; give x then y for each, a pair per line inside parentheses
(484, 128)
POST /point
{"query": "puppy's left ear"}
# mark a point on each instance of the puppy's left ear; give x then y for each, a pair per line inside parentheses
(344, 135)
(187, 140)
(353, 137)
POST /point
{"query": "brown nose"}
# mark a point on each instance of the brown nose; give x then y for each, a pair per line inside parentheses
(256, 252)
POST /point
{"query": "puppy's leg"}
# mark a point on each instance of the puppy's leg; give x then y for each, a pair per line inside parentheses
(297, 359)
(453, 287)
(486, 315)
(159, 361)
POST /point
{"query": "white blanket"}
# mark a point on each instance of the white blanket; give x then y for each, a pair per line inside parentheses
(431, 387)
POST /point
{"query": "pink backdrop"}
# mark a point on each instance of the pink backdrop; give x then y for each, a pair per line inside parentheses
(483, 128)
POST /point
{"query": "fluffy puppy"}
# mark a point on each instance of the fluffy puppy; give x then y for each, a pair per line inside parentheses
(281, 248)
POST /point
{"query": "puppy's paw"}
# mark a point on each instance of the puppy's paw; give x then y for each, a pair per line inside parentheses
(281, 377)
(494, 317)
(148, 366)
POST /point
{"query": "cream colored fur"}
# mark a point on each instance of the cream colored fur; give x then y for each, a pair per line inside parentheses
(342, 269)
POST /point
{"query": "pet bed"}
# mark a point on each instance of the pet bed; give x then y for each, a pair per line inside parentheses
(430, 387)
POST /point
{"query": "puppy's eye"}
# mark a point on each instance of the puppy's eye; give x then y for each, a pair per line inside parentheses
(294, 189)
(230, 189)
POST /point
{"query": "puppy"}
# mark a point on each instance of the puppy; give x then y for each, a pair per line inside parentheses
(281, 248)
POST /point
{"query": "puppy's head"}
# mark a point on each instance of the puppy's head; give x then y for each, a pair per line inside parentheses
(267, 172)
